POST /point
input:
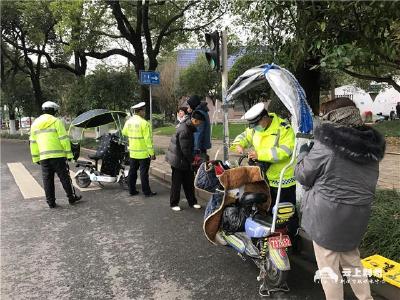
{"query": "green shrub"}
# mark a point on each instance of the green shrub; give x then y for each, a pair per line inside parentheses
(217, 130)
(5, 135)
(158, 120)
(383, 235)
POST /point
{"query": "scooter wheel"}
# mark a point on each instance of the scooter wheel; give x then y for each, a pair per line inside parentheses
(275, 277)
(83, 180)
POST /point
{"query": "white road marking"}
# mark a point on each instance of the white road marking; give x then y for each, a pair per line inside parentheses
(91, 187)
(28, 185)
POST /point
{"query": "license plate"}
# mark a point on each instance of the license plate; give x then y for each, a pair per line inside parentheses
(278, 242)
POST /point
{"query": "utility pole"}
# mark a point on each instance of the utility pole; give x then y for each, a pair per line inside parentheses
(225, 106)
(220, 64)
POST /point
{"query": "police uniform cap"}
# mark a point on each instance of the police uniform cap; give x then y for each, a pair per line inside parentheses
(255, 113)
(50, 105)
(138, 106)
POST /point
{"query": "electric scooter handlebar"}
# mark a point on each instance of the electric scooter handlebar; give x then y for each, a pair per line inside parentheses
(252, 162)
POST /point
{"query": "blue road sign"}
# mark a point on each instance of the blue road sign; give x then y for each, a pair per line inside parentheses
(149, 77)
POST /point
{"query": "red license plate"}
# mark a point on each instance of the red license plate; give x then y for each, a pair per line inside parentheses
(278, 242)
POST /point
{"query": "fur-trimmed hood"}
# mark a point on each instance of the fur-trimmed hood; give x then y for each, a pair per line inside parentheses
(361, 144)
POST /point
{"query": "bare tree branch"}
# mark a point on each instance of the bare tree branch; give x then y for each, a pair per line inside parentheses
(123, 24)
(117, 51)
(52, 64)
(388, 79)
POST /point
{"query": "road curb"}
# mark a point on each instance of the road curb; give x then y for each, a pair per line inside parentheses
(156, 171)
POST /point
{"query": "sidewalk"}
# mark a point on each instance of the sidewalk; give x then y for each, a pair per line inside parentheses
(389, 168)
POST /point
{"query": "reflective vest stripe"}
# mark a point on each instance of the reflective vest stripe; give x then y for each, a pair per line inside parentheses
(274, 153)
(278, 135)
(32, 141)
(136, 137)
(63, 137)
(286, 149)
(284, 181)
(53, 151)
(45, 131)
(138, 150)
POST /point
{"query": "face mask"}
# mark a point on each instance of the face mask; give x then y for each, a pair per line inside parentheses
(259, 128)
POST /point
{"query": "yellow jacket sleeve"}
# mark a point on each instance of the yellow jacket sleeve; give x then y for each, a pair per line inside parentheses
(244, 139)
(64, 138)
(125, 129)
(148, 138)
(282, 151)
(34, 147)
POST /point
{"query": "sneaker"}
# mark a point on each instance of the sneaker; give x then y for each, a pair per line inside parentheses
(151, 194)
(176, 208)
(134, 193)
(74, 199)
(196, 206)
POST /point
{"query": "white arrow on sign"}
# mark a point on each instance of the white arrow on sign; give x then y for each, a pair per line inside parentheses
(154, 78)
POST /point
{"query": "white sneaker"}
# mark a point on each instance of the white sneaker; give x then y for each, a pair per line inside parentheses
(197, 206)
(176, 208)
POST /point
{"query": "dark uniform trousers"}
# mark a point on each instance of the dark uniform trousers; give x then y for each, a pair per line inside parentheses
(49, 168)
(144, 165)
(186, 179)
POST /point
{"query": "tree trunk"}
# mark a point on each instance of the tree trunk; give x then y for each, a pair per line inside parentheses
(37, 90)
(310, 80)
(11, 114)
(145, 96)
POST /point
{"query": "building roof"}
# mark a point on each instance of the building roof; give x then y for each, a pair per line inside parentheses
(186, 57)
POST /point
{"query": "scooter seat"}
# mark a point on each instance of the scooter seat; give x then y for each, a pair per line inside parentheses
(83, 163)
(267, 221)
(252, 198)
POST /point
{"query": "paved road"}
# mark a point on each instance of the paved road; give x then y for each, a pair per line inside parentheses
(111, 246)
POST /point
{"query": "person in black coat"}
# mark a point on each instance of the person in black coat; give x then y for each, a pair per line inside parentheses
(180, 157)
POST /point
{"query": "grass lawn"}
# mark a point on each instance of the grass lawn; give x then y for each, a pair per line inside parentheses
(389, 128)
(217, 130)
(383, 234)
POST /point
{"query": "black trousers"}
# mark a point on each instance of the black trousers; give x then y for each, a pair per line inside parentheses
(186, 179)
(144, 166)
(287, 195)
(49, 168)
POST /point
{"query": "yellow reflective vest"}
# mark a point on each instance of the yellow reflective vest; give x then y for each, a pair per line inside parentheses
(139, 133)
(49, 139)
(275, 146)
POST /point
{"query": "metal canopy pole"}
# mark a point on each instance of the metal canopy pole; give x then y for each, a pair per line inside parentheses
(225, 106)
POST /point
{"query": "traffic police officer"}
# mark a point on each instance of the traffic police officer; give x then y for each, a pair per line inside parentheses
(50, 147)
(141, 150)
(273, 141)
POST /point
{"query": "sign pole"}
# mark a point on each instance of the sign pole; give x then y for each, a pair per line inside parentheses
(149, 78)
(225, 106)
(151, 109)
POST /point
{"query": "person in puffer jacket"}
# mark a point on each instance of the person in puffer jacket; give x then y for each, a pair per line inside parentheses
(340, 174)
(180, 157)
(202, 137)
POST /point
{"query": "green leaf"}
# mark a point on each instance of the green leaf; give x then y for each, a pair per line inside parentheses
(323, 26)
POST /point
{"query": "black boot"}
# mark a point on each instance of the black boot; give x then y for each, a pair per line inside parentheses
(73, 199)
(151, 194)
(52, 204)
